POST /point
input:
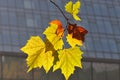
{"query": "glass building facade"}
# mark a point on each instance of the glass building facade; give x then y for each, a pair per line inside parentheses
(20, 19)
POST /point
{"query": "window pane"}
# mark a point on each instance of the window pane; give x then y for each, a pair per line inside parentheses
(105, 45)
(37, 19)
(118, 45)
(85, 22)
(99, 55)
(4, 17)
(83, 74)
(0, 66)
(30, 20)
(83, 9)
(23, 37)
(100, 26)
(116, 29)
(37, 73)
(11, 3)
(1, 39)
(92, 26)
(96, 8)
(12, 18)
(112, 71)
(108, 55)
(99, 71)
(113, 45)
(6, 37)
(15, 66)
(89, 9)
(21, 19)
(43, 5)
(104, 10)
(16, 48)
(15, 38)
(91, 54)
(108, 27)
(117, 10)
(45, 19)
(49, 76)
(89, 43)
(116, 56)
(97, 44)
(112, 12)
(7, 48)
(36, 4)
(20, 3)
(1, 47)
(28, 4)
(3, 3)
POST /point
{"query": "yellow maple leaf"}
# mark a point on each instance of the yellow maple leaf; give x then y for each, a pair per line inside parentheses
(73, 9)
(68, 59)
(73, 41)
(54, 34)
(37, 54)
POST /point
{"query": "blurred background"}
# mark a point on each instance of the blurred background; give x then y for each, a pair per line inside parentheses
(20, 19)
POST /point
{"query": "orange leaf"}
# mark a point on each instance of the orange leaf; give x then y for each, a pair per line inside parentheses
(60, 30)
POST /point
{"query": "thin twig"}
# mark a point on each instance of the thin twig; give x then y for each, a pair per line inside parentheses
(59, 10)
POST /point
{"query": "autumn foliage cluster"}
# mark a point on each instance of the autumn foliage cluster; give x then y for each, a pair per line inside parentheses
(52, 51)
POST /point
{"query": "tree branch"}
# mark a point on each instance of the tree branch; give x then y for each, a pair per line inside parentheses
(59, 10)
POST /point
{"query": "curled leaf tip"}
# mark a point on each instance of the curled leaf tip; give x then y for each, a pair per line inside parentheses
(57, 22)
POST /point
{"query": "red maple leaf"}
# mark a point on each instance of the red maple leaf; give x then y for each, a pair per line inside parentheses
(77, 32)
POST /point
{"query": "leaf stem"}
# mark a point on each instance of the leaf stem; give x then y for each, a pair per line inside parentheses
(59, 10)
